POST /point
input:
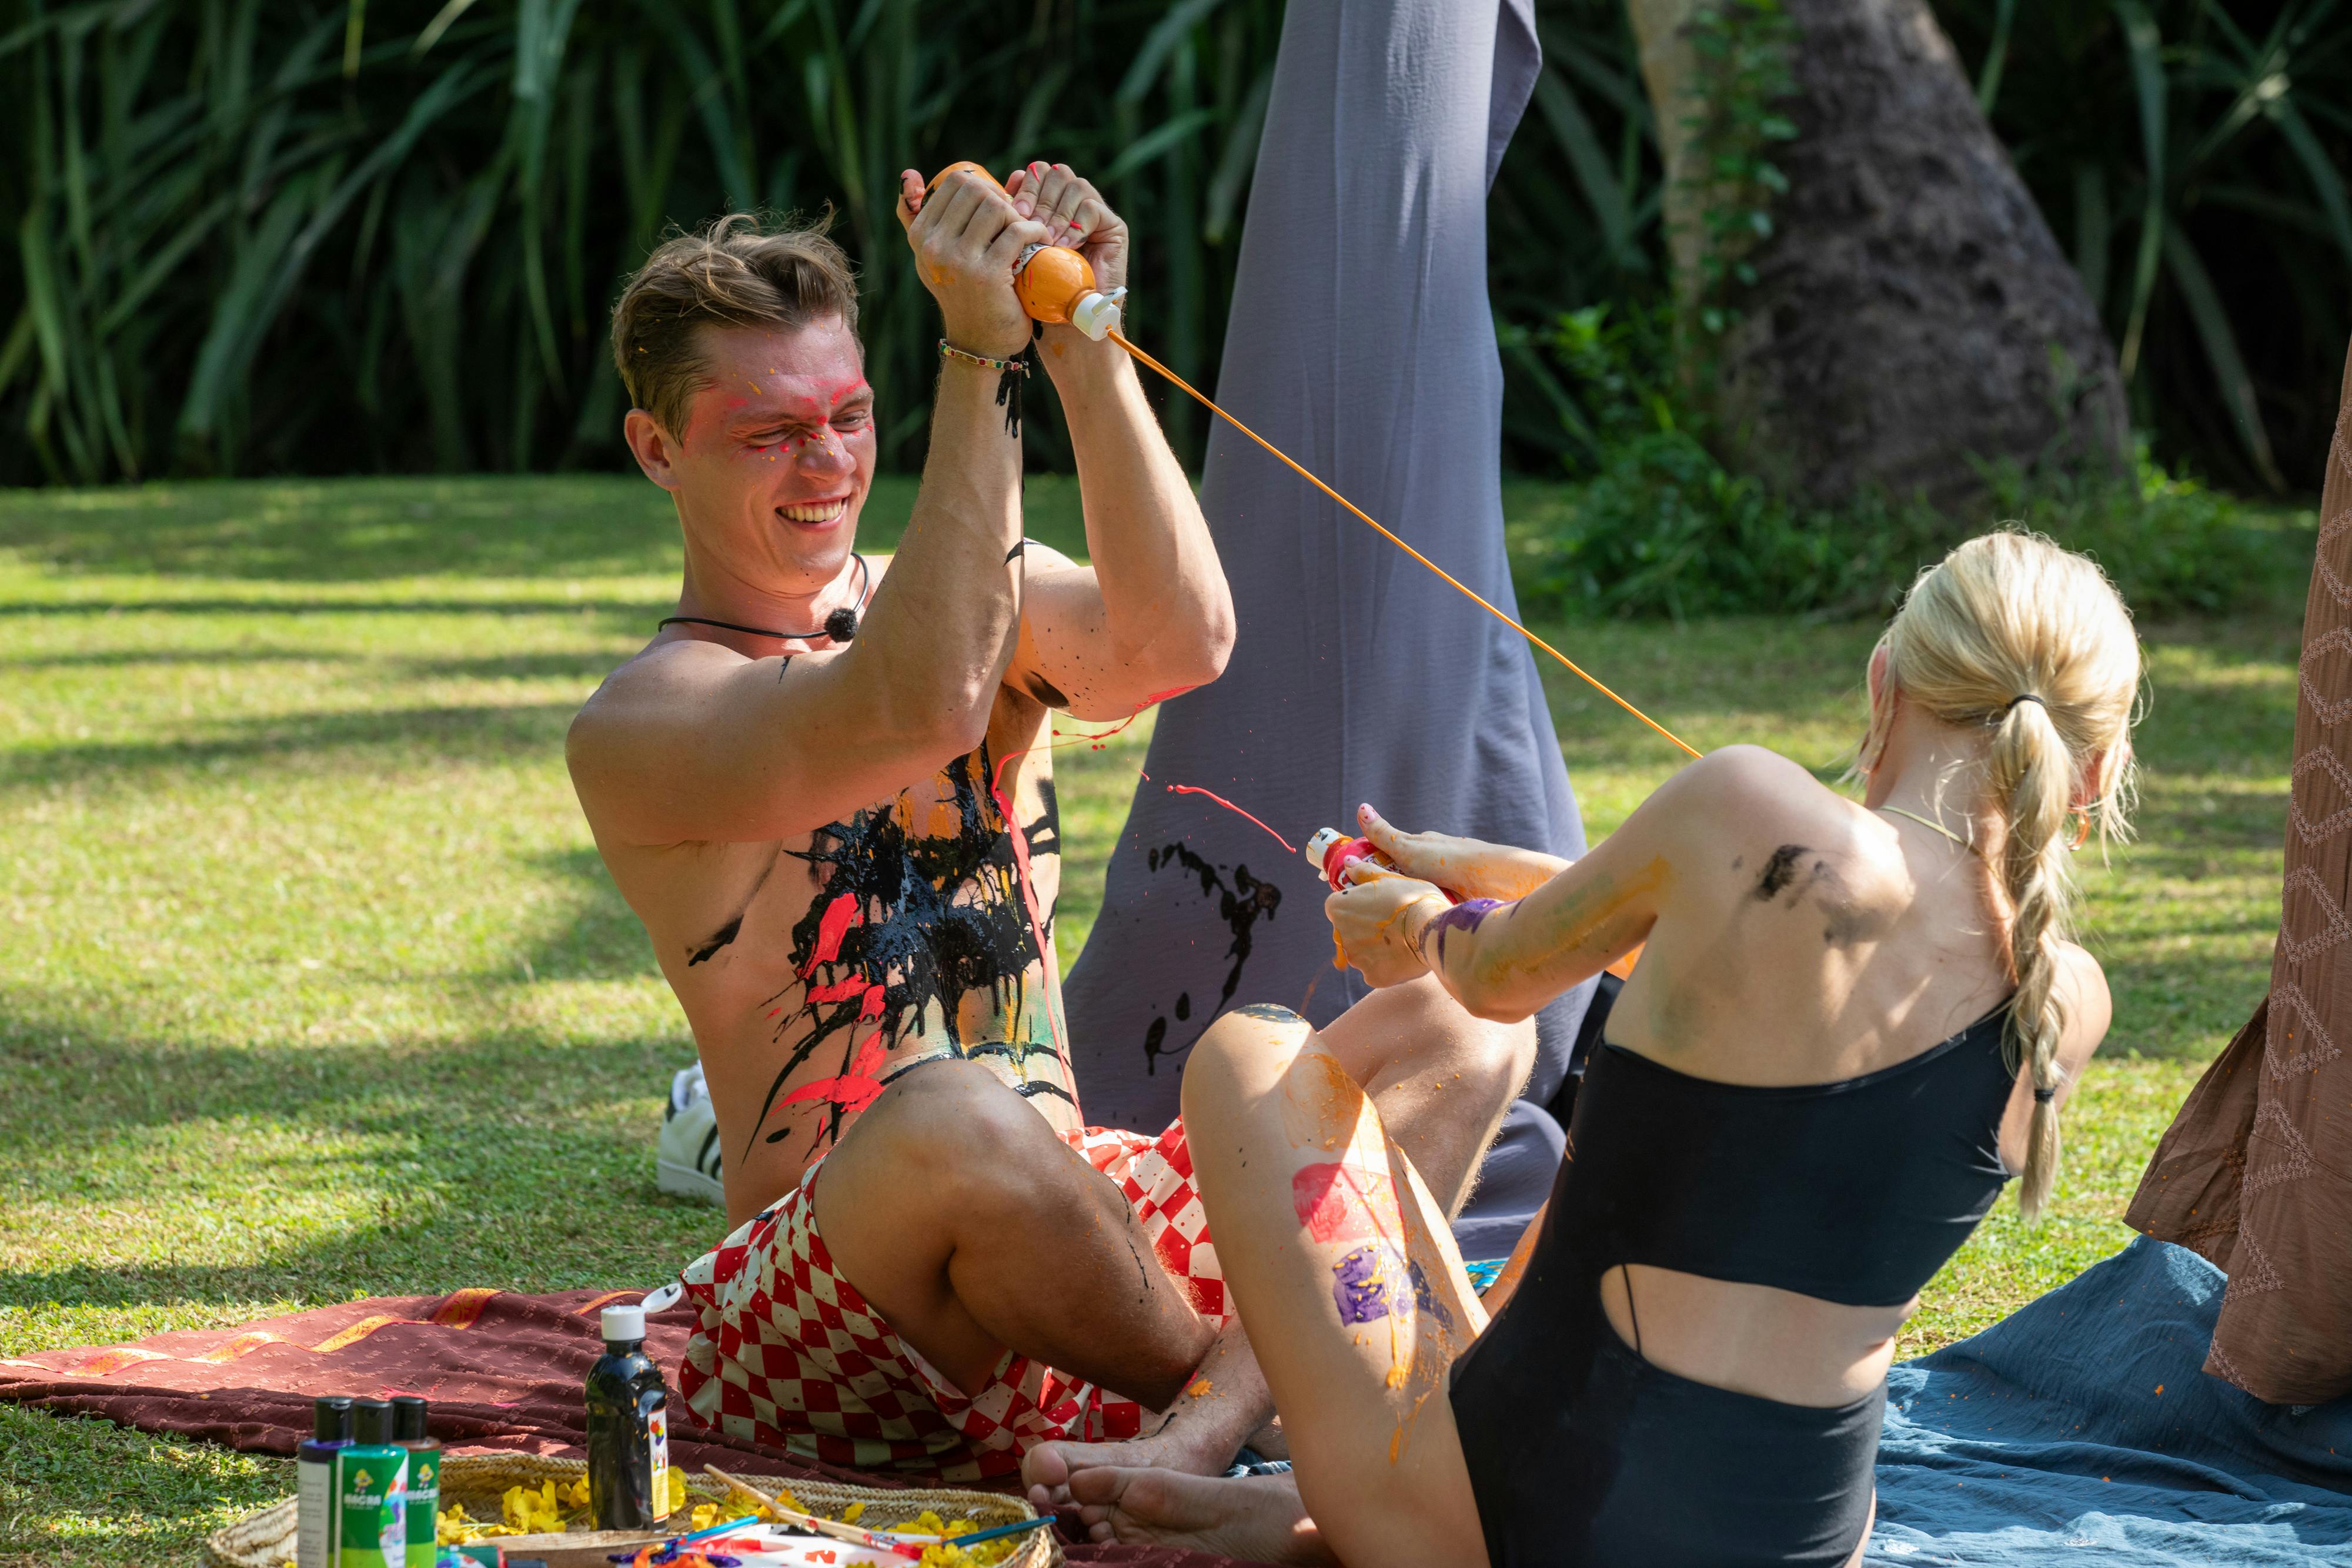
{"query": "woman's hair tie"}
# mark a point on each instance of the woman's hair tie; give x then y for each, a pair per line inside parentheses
(2028, 697)
(2043, 1096)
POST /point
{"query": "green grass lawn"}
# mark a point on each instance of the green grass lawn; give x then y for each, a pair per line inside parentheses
(311, 986)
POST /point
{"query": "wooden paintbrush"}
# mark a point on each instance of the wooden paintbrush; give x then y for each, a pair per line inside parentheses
(834, 1528)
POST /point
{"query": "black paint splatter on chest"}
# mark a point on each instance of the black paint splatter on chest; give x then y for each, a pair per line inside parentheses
(903, 927)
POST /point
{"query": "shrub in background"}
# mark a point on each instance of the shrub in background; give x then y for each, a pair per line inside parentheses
(1661, 527)
(381, 236)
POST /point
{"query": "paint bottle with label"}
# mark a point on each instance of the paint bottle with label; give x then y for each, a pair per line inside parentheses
(628, 1429)
(371, 1492)
(1331, 853)
(410, 1418)
(314, 1485)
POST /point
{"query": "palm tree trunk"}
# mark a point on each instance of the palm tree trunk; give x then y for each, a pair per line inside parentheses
(1910, 314)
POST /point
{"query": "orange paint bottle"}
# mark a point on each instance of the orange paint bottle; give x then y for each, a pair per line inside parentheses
(1056, 285)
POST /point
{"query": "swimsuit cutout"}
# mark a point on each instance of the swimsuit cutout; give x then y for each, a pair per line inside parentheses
(1855, 1192)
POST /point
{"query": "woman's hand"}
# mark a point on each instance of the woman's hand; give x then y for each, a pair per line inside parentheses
(966, 236)
(1073, 212)
(1377, 921)
(1468, 868)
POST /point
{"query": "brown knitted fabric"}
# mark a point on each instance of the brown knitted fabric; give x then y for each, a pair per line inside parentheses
(2255, 1172)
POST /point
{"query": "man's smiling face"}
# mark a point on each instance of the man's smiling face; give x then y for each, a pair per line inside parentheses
(772, 468)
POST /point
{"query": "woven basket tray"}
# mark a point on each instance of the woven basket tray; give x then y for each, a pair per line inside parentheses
(266, 1540)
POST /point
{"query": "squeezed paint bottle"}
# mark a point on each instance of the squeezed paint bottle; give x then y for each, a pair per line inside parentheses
(1331, 853)
(628, 1429)
(1056, 284)
(410, 1418)
(314, 1487)
(371, 1492)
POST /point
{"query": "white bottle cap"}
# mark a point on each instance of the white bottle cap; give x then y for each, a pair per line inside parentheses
(1095, 315)
(623, 1323)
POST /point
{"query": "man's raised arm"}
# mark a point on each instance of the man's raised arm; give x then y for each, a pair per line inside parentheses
(693, 741)
(1151, 615)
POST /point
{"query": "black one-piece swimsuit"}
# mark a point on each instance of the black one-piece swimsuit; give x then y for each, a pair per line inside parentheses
(1580, 1452)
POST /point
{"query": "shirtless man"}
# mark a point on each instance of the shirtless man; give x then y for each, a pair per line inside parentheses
(842, 841)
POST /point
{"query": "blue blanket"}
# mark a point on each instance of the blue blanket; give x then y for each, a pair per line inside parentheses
(2080, 1430)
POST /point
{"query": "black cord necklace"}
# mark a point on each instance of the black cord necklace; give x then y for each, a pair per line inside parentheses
(841, 625)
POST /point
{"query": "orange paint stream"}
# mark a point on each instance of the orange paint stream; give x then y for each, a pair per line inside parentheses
(1186, 387)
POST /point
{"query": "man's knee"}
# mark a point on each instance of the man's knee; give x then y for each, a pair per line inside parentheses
(954, 1128)
(1425, 1030)
(1502, 1057)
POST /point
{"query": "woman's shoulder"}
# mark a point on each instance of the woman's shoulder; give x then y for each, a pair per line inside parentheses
(1758, 783)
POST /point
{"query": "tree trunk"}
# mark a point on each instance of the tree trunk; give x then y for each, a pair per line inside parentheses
(1910, 313)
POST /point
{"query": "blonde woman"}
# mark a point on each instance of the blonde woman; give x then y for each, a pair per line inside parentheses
(1852, 1023)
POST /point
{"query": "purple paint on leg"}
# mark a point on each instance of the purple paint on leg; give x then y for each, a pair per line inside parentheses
(1466, 915)
(1359, 1288)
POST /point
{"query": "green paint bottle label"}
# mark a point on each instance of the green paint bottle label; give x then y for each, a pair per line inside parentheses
(423, 1502)
(371, 1498)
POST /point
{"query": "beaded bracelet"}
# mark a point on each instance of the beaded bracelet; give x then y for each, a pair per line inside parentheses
(950, 351)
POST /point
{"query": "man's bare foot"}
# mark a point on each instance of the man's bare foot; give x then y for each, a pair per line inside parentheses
(1255, 1517)
(1189, 1442)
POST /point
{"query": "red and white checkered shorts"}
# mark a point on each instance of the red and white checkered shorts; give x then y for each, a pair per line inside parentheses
(789, 1354)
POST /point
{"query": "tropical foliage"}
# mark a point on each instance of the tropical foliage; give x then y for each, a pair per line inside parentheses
(325, 235)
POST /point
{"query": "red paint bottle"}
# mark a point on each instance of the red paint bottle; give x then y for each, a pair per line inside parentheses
(1331, 853)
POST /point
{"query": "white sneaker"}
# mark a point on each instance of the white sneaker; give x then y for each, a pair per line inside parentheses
(686, 1161)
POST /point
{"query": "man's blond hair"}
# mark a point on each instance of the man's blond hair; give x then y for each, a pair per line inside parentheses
(735, 273)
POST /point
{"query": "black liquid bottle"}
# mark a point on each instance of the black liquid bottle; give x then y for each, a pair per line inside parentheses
(628, 1429)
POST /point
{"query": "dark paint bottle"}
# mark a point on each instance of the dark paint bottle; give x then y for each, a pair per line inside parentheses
(314, 1488)
(409, 1419)
(628, 1429)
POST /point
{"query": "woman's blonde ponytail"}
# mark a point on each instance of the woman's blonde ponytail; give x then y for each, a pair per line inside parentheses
(2030, 777)
(2012, 633)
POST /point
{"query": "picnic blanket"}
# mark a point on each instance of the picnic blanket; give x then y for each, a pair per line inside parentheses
(504, 1372)
(2080, 1429)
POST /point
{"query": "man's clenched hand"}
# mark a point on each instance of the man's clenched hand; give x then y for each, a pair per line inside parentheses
(1073, 212)
(966, 236)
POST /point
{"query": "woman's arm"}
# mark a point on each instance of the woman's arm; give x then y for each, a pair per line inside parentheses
(1467, 868)
(1504, 959)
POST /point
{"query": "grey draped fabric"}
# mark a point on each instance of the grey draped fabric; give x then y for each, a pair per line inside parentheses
(1361, 343)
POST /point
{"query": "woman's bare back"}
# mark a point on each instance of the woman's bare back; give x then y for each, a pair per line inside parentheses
(1789, 936)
